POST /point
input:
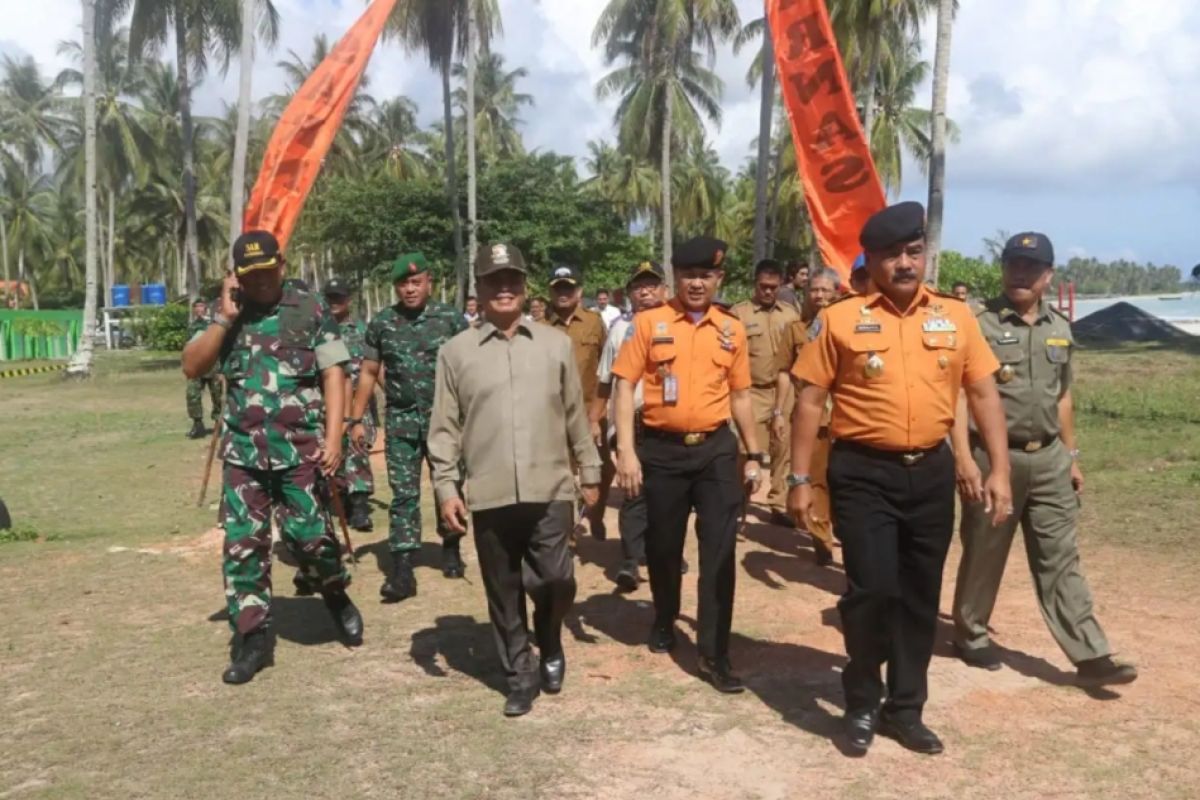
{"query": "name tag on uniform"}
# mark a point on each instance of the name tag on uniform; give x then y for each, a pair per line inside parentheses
(662, 339)
(939, 325)
(1058, 343)
(868, 327)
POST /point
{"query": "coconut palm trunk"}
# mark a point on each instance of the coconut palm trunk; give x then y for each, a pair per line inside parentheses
(241, 143)
(81, 362)
(937, 160)
(111, 244)
(4, 251)
(872, 80)
(452, 186)
(472, 217)
(187, 134)
(762, 172)
(668, 114)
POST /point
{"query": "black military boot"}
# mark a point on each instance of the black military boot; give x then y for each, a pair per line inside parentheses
(402, 583)
(346, 619)
(452, 563)
(197, 431)
(360, 512)
(305, 586)
(254, 652)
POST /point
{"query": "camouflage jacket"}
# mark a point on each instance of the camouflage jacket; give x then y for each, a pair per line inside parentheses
(195, 328)
(272, 361)
(354, 334)
(407, 345)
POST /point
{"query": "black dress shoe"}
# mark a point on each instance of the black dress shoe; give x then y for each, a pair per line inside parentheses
(628, 578)
(402, 583)
(1104, 671)
(520, 702)
(911, 735)
(859, 728)
(452, 563)
(821, 553)
(255, 652)
(984, 657)
(662, 638)
(718, 672)
(553, 671)
(599, 529)
(346, 618)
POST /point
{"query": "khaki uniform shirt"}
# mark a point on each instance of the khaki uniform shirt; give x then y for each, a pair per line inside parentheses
(587, 331)
(1035, 366)
(766, 327)
(508, 417)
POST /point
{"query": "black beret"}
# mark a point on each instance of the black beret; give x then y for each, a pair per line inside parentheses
(703, 251)
(1034, 246)
(903, 222)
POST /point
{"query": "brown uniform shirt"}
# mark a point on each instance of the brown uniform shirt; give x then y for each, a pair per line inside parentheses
(895, 376)
(765, 328)
(709, 360)
(588, 332)
(511, 412)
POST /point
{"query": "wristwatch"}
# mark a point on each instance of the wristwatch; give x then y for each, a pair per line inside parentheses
(217, 319)
(352, 420)
(776, 412)
(795, 479)
(759, 458)
(1074, 454)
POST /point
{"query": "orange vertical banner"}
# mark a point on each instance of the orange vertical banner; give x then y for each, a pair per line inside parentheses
(841, 186)
(308, 126)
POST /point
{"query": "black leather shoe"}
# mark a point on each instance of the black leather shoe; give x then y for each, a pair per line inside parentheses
(553, 671)
(628, 578)
(821, 553)
(911, 735)
(859, 728)
(402, 583)
(520, 702)
(255, 652)
(984, 657)
(783, 519)
(1103, 671)
(718, 672)
(662, 638)
(305, 587)
(346, 618)
(452, 563)
(599, 529)
(197, 431)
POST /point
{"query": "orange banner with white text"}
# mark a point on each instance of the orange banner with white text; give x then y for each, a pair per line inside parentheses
(841, 186)
(308, 126)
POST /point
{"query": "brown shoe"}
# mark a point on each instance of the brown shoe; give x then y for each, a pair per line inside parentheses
(1104, 671)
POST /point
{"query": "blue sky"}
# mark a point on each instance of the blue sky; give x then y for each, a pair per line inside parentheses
(1080, 118)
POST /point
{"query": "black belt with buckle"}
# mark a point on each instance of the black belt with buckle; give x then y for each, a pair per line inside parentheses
(1025, 445)
(906, 457)
(687, 439)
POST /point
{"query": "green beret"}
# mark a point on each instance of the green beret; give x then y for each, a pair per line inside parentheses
(408, 265)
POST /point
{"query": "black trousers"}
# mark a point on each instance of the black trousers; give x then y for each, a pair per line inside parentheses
(523, 551)
(895, 523)
(633, 523)
(679, 479)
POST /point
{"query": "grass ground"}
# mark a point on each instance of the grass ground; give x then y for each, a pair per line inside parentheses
(110, 648)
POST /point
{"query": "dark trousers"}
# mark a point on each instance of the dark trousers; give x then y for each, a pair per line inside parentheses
(895, 523)
(523, 551)
(632, 521)
(678, 479)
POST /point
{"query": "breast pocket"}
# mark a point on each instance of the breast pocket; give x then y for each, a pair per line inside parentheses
(296, 355)
(1011, 355)
(870, 362)
(722, 362)
(941, 348)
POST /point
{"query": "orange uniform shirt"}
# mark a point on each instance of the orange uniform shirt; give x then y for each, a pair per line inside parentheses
(894, 377)
(709, 359)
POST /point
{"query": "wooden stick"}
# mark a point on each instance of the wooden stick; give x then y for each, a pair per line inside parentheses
(212, 451)
(335, 497)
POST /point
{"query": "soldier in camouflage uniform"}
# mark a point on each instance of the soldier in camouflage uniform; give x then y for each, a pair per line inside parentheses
(355, 479)
(282, 355)
(195, 387)
(405, 339)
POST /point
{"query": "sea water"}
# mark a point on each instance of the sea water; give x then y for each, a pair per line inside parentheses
(1183, 312)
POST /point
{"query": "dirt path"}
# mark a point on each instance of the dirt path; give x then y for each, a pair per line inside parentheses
(109, 687)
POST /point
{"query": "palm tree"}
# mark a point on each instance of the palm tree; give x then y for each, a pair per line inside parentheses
(81, 361)
(937, 144)
(765, 71)
(439, 28)
(661, 76)
(393, 139)
(198, 29)
(497, 104)
(31, 111)
(27, 203)
(700, 181)
(251, 10)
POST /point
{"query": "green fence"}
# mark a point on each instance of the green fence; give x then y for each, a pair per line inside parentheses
(39, 334)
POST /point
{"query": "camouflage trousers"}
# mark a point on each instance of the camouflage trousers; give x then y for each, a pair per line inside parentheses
(405, 455)
(195, 392)
(248, 498)
(355, 476)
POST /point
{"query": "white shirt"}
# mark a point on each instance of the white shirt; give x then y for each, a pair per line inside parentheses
(609, 314)
(618, 334)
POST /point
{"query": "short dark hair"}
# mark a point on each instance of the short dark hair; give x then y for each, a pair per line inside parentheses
(962, 284)
(601, 291)
(768, 266)
(199, 301)
(471, 297)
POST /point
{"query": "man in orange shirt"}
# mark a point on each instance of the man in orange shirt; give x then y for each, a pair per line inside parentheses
(693, 361)
(894, 360)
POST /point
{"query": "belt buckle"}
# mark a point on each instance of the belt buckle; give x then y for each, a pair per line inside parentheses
(911, 458)
(693, 439)
(1033, 447)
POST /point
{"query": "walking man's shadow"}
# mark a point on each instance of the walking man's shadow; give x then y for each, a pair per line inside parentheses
(465, 645)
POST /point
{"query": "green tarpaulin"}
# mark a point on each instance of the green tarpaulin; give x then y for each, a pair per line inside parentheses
(39, 334)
